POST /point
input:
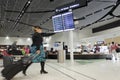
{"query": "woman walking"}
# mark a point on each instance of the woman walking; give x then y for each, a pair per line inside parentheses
(37, 48)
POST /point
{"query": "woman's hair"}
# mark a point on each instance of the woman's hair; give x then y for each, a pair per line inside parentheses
(112, 42)
(36, 27)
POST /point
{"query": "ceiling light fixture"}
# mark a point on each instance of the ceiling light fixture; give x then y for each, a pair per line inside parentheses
(28, 39)
(29, 2)
(7, 37)
(20, 15)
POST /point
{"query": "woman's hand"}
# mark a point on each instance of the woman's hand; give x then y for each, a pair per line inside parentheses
(38, 51)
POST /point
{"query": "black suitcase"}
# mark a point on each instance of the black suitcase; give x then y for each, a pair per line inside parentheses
(12, 68)
(7, 60)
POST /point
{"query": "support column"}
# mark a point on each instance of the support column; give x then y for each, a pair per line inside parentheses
(71, 45)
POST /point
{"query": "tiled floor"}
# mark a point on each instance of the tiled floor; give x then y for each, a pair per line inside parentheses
(79, 70)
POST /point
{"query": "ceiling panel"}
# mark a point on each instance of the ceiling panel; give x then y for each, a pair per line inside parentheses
(10, 9)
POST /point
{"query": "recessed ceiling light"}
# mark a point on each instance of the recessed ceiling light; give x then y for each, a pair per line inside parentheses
(7, 37)
(29, 2)
(28, 39)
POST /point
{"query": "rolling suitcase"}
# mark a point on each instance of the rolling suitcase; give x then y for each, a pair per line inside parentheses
(13, 68)
(10, 71)
(7, 60)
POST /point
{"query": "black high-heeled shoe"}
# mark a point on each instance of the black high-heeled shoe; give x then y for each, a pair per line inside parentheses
(24, 73)
(43, 71)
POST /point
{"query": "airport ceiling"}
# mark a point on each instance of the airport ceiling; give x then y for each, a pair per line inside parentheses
(14, 23)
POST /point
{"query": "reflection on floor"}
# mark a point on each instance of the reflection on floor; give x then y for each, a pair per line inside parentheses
(79, 70)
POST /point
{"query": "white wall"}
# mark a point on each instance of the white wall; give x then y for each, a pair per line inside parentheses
(80, 36)
(85, 36)
(101, 36)
(64, 37)
(10, 40)
(109, 33)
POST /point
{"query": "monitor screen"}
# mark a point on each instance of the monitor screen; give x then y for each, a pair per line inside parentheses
(68, 22)
(72, 5)
(57, 23)
(63, 22)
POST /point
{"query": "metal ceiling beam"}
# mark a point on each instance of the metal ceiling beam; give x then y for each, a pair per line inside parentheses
(2, 16)
(27, 4)
(109, 13)
(27, 24)
(46, 11)
(15, 4)
(107, 1)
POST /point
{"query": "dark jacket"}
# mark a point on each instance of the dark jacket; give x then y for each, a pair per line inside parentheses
(37, 40)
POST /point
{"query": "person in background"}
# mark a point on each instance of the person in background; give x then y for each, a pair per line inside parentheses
(37, 48)
(46, 52)
(26, 50)
(118, 52)
(113, 48)
(66, 49)
(14, 46)
(97, 48)
(13, 49)
(51, 50)
(23, 50)
(109, 47)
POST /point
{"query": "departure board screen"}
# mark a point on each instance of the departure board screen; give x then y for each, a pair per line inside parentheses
(68, 22)
(63, 22)
(57, 23)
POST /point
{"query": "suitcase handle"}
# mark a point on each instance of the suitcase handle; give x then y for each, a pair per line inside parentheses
(28, 59)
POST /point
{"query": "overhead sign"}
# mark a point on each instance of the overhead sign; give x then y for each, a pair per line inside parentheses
(73, 5)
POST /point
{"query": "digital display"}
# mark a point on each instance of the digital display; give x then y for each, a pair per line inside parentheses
(63, 22)
(72, 5)
(67, 8)
(68, 22)
(57, 23)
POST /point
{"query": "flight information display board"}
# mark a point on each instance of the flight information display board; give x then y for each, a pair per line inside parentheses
(63, 22)
(57, 23)
(68, 22)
